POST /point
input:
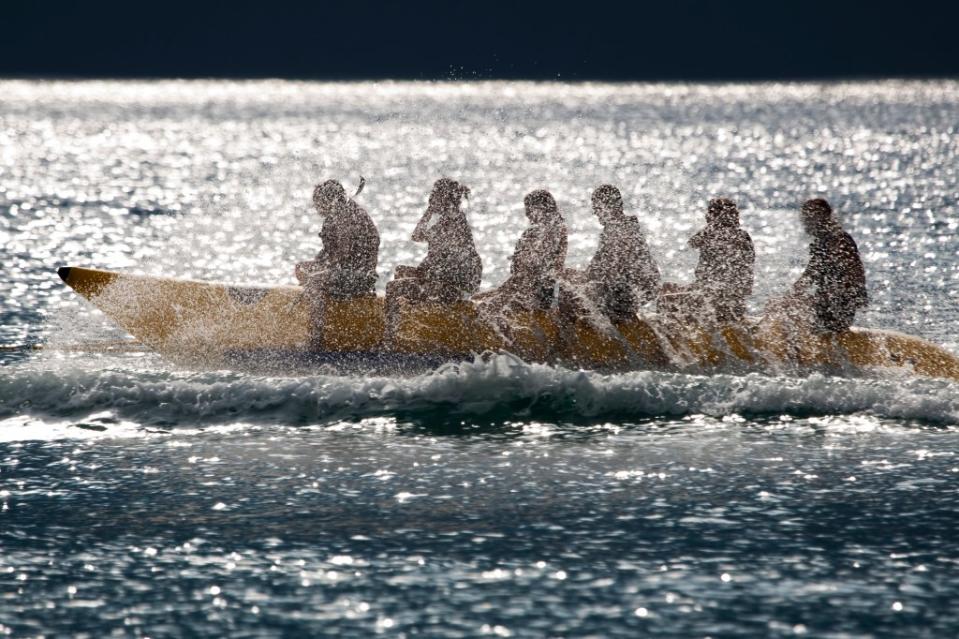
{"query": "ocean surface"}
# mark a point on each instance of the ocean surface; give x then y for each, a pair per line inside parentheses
(490, 497)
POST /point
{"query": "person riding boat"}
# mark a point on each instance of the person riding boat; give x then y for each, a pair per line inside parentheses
(832, 288)
(834, 282)
(537, 260)
(452, 269)
(346, 265)
(724, 274)
(622, 274)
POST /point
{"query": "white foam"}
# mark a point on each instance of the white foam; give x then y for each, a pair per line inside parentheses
(500, 387)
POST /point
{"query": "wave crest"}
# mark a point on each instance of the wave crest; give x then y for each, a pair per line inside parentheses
(496, 388)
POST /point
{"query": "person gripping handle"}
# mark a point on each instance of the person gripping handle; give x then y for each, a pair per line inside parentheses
(832, 288)
(537, 261)
(622, 274)
(724, 273)
(452, 269)
(346, 265)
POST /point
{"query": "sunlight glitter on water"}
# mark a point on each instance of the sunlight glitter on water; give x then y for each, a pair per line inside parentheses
(492, 497)
(137, 175)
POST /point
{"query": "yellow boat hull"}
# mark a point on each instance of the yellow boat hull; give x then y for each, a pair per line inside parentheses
(203, 322)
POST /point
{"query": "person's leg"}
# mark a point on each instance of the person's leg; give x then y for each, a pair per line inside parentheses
(834, 320)
(316, 308)
(544, 295)
(620, 303)
(439, 292)
(397, 291)
(574, 301)
(729, 309)
(391, 299)
(673, 299)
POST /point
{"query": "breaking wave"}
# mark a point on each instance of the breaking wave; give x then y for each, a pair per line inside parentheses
(499, 388)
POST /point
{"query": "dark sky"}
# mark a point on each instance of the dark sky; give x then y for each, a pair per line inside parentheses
(591, 39)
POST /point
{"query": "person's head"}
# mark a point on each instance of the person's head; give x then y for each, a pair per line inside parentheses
(722, 212)
(540, 205)
(447, 194)
(328, 196)
(607, 203)
(817, 216)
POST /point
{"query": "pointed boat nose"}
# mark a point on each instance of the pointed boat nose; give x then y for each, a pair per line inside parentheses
(64, 272)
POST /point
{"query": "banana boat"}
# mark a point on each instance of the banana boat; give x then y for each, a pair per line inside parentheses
(206, 323)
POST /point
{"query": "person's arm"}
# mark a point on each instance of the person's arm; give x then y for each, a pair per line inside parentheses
(523, 259)
(328, 236)
(738, 271)
(403, 270)
(855, 272)
(339, 244)
(749, 266)
(808, 283)
(463, 265)
(475, 274)
(803, 284)
(371, 245)
(304, 270)
(599, 268)
(648, 275)
(559, 259)
(699, 239)
(422, 231)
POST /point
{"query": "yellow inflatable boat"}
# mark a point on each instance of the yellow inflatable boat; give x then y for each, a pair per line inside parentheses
(205, 323)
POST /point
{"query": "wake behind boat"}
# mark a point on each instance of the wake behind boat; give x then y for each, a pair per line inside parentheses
(213, 324)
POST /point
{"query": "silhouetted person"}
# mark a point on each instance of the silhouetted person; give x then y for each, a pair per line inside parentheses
(724, 274)
(622, 274)
(538, 258)
(346, 266)
(834, 282)
(452, 269)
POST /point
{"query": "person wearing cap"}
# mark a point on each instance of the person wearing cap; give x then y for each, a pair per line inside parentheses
(724, 273)
(452, 269)
(833, 285)
(346, 265)
(622, 274)
(537, 260)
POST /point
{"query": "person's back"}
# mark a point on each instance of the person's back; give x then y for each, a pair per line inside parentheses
(539, 255)
(834, 279)
(346, 265)
(351, 243)
(725, 271)
(622, 271)
(451, 259)
(623, 257)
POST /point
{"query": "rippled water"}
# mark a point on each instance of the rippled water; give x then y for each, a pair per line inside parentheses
(491, 497)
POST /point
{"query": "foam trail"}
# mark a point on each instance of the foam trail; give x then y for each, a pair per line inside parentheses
(500, 388)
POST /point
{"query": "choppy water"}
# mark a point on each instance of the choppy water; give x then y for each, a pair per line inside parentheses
(492, 497)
